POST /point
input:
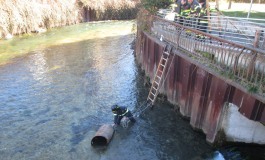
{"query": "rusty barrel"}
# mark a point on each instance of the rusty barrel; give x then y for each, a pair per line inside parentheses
(103, 135)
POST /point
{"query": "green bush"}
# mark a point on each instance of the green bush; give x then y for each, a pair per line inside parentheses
(153, 5)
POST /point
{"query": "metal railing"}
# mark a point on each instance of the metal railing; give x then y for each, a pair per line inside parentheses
(249, 32)
(243, 64)
(238, 30)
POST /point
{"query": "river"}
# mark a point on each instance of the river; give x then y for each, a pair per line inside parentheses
(58, 92)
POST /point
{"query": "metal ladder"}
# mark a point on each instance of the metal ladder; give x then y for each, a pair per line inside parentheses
(159, 75)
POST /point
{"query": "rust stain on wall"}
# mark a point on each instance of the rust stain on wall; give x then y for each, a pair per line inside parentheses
(199, 97)
(215, 101)
(199, 94)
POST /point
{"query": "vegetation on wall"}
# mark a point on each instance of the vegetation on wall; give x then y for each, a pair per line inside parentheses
(144, 20)
(153, 5)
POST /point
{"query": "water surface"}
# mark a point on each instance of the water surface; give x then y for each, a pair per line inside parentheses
(54, 99)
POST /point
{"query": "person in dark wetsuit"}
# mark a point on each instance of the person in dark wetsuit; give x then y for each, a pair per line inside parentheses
(120, 112)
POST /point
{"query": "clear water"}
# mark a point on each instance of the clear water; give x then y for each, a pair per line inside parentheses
(76, 33)
(54, 99)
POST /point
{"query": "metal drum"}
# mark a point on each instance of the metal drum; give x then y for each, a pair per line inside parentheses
(103, 135)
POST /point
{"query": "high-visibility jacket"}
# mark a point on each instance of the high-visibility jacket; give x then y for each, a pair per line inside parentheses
(185, 8)
(185, 12)
(195, 7)
(203, 8)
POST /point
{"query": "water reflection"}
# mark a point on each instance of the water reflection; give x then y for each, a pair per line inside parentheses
(39, 67)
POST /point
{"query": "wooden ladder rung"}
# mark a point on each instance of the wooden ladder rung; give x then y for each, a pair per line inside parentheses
(150, 99)
(166, 53)
(158, 77)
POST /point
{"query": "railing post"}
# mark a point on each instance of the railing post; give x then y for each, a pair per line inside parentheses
(257, 39)
(263, 43)
(251, 67)
(236, 61)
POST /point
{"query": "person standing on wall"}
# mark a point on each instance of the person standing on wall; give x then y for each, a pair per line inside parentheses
(183, 10)
(203, 16)
(195, 9)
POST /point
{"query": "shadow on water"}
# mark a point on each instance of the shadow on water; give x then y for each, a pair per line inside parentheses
(236, 152)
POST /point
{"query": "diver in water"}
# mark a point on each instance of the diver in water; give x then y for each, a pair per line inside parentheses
(120, 112)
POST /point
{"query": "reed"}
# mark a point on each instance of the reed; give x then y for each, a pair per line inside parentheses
(112, 9)
(27, 16)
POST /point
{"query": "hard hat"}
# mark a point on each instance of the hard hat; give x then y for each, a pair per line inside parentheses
(115, 107)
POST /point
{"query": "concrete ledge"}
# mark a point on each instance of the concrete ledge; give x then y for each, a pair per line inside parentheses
(238, 128)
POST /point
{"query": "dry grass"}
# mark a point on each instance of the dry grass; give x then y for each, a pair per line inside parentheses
(103, 5)
(112, 9)
(26, 16)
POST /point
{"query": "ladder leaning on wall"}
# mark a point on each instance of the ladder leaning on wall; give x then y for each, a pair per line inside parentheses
(159, 75)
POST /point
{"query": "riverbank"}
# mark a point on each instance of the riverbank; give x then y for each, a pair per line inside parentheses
(25, 44)
(20, 17)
